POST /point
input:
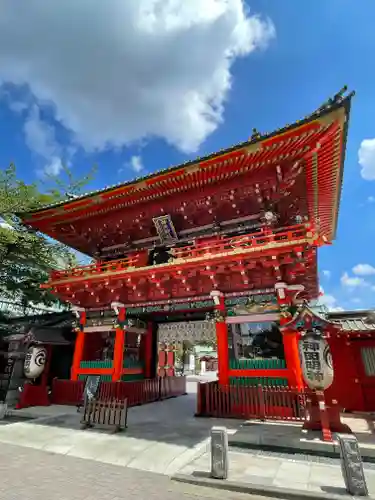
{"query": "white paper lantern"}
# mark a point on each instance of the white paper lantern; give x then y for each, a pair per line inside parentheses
(316, 360)
(35, 361)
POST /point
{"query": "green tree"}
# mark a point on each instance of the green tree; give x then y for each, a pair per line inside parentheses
(26, 256)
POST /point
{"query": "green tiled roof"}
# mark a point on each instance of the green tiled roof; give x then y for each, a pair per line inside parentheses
(354, 321)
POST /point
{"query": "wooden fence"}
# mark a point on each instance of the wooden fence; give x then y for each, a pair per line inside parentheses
(70, 392)
(112, 414)
(266, 403)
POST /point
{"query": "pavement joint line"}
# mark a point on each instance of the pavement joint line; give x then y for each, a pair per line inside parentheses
(261, 490)
(293, 450)
(192, 454)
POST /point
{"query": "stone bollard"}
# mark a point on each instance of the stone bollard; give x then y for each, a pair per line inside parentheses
(219, 453)
(351, 465)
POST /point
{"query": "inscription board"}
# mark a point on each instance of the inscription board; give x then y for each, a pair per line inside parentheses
(351, 465)
(92, 386)
(219, 453)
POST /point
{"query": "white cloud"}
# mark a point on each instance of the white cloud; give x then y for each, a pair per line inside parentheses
(329, 301)
(326, 273)
(119, 71)
(363, 270)
(366, 158)
(371, 199)
(136, 163)
(40, 138)
(54, 167)
(351, 281)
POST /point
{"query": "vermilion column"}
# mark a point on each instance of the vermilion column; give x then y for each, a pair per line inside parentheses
(290, 340)
(221, 338)
(79, 347)
(293, 362)
(118, 354)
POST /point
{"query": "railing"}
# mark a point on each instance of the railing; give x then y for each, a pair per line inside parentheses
(67, 392)
(70, 392)
(33, 395)
(266, 403)
(137, 393)
(254, 240)
(199, 249)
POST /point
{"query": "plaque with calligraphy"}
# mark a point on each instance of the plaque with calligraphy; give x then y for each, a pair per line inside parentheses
(165, 229)
(92, 386)
(316, 359)
(219, 453)
(351, 465)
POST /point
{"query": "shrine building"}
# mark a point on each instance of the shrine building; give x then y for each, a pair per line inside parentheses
(220, 249)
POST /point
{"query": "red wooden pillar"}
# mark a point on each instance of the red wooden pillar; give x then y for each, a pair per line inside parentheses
(79, 347)
(221, 337)
(118, 355)
(290, 340)
(147, 351)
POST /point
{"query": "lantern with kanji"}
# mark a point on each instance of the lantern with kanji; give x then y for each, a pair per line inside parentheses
(316, 360)
(35, 361)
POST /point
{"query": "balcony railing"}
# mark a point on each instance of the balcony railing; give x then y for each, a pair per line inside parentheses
(198, 250)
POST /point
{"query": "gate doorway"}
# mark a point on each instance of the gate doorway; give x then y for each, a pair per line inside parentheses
(187, 347)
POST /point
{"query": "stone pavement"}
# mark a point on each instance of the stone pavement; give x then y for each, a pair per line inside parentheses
(27, 474)
(290, 436)
(167, 430)
(251, 468)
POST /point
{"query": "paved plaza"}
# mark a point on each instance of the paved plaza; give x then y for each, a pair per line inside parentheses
(163, 439)
(308, 474)
(167, 430)
(28, 474)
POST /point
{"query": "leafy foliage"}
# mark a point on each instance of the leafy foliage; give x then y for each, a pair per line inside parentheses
(26, 256)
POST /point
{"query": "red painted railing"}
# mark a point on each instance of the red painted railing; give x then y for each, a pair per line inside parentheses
(67, 392)
(137, 393)
(199, 249)
(33, 395)
(70, 392)
(266, 403)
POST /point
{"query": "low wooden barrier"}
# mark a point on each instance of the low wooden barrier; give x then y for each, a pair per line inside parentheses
(70, 392)
(33, 395)
(67, 392)
(137, 393)
(112, 414)
(265, 403)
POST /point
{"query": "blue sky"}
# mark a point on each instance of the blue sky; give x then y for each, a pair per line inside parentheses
(158, 99)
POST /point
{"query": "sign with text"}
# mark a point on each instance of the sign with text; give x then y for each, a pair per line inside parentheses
(351, 465)
(91, 387)
(316, 359)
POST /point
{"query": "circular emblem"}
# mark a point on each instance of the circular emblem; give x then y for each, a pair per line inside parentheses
(327, 356)
(40, 357)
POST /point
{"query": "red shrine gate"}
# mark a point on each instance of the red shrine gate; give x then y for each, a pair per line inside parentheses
(199, 242)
